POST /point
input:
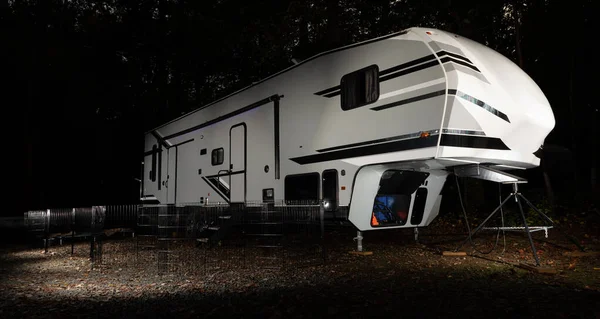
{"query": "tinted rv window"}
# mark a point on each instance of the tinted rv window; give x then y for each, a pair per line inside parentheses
(304, 187)
(392, 202)
(360, 88)
(217, 156)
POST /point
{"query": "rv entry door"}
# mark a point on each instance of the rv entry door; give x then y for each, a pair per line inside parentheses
(237, 163)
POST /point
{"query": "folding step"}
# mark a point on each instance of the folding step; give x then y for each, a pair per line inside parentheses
(214, 227)
(202, 240)
(225, 217)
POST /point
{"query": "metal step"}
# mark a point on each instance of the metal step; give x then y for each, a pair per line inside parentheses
(214, 227)
(202, 240)
(225, 217)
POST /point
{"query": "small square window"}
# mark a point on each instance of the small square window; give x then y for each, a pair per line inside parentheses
(217, 156)
(203, 151)
(360, 88)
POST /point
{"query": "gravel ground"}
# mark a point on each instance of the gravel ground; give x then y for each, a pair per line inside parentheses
(402, 278)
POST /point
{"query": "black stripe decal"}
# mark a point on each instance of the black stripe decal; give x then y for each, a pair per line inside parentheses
(479, 103)
(395, 75)
(463, 63)
(407, 64)
(328, 90)
(381, 140)
(458, 56)
(390, 147)
(224, 117)
(410, 67)
(410, 70)
(215, 189)
(462, 95)
(409, 100)
(404, 145)
(471, 141)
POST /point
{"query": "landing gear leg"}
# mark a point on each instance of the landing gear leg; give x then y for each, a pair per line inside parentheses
(359, 247)
(359, 239)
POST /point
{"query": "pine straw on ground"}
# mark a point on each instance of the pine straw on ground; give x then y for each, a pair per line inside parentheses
(401, 279)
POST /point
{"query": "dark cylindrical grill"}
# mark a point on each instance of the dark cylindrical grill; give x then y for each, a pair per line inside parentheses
(89, 218)
(60, 220)
(36, 220)
(82, 219)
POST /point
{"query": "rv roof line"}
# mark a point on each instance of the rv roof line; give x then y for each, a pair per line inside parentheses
(391, 35)
(272, 98)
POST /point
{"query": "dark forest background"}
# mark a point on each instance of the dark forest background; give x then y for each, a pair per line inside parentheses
(85, 79)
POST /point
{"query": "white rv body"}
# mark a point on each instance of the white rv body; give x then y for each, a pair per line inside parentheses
(443, 101)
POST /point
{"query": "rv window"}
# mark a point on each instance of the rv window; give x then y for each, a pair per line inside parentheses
(203, 151)
(217, 156)
(392, 202)
(304, 187)
(153, 169)
(360, 88)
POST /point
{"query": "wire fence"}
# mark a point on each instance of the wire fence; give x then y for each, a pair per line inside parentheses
(191, 238)
(196, 238)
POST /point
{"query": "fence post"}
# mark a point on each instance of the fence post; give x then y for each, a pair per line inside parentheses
(92, 240)
(322, 221)
(47, 231)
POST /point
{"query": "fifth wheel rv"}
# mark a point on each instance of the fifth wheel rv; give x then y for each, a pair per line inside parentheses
(371, 129)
